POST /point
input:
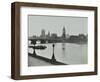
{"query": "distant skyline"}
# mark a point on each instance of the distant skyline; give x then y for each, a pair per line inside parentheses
(55, 24)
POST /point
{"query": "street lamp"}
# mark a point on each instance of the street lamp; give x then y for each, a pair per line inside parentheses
(53, 60)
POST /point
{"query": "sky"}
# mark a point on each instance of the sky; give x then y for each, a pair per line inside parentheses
(55, 24)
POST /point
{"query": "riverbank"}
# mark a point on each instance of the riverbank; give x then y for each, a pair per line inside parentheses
(32, 61)
(39, 60)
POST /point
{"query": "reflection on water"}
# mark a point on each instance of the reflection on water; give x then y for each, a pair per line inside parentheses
(64, 52)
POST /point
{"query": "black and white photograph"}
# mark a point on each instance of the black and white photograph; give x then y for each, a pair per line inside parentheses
(53, 40)
(57, 40)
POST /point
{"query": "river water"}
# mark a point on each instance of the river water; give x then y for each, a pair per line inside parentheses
(68, 53)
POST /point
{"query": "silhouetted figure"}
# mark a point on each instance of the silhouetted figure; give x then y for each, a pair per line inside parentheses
(53, 60)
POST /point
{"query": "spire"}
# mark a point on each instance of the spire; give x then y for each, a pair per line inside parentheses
(64, 32)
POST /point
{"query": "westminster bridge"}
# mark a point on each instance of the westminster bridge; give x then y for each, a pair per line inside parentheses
(46, 39)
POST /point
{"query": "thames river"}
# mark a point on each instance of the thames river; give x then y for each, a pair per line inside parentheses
(68, 53)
